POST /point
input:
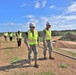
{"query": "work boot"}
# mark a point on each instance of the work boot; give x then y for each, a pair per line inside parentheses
(50, 57)
(36, 65)
(45, 57)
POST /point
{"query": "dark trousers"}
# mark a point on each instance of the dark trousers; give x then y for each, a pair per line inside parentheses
(19, 42)
(10, 38)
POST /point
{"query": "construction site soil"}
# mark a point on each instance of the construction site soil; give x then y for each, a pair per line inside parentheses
(14, 60)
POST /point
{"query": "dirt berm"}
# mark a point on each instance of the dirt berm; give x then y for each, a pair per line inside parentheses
(64, 44)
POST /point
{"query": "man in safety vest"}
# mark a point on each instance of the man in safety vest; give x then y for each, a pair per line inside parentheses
(31, 42)
(5, 35)
(47, 41)
(11, 36)
(19, 37)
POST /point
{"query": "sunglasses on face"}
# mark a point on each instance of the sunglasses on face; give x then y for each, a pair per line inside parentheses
(32, 27)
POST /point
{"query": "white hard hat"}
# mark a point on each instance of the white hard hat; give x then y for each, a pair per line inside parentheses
(31, 24)
(48, 23)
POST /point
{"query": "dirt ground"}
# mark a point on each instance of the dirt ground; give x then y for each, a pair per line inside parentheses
(66, 49)
(14, 61)
(63, 44)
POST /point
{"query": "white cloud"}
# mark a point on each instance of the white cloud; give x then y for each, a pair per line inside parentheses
(59, 22)
(34, 20)
(44, 3)
(26, 25)
(23, 5)
(37, 5)
(30, 16)
(52, 6)
(11, 24)
(72, 8)
(44, 20)
(70, 17)
(63, 27)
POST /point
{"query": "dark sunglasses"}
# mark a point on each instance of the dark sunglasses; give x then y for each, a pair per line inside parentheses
(32, 27)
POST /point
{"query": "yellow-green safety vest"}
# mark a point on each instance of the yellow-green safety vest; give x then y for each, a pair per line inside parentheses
(11, 34)
(48, 34)
(32, 39)
(19, 35)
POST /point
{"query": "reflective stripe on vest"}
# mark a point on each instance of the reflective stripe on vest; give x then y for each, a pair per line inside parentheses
(32, 39)
(19, 35)
(48, 34)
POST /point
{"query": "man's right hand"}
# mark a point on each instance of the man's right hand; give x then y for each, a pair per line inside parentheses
(28, 46)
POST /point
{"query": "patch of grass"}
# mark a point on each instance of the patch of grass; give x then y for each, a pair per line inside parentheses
(47, 73)
(8, 47)
(34, 74)
(6, 51)
(57, 48)
(4, 41)
(14, 59)
(63, 65)
(72, 53)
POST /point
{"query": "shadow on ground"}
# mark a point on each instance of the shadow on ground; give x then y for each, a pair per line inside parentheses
(19, 64)
(8, 48)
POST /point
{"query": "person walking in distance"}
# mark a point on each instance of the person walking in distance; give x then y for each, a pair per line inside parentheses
(11, 36)
(31, 42)
(5, 35)
(19, 37)
(47, 41)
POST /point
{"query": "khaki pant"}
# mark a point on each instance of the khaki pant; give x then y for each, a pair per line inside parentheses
(34, 49)
(49, 45)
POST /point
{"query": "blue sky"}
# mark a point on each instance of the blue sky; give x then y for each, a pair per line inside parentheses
(17, 14)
